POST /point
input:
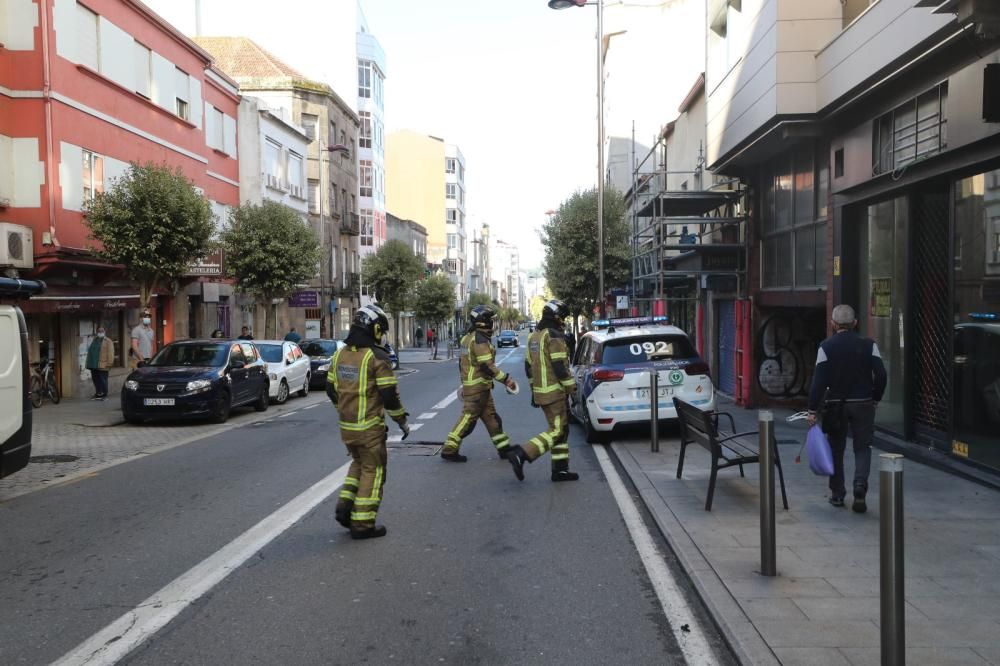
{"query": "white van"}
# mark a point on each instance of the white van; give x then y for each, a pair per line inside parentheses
(15, 405)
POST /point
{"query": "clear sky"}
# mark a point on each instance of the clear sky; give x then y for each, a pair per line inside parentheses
(513, 84)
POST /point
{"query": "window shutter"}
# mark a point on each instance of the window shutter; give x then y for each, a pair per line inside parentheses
(87, 23)
(143, 69)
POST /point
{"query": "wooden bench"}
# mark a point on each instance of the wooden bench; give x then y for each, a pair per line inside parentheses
(727, 449)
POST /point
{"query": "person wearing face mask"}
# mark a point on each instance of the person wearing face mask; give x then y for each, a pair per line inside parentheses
(143, 338)
(100, 357)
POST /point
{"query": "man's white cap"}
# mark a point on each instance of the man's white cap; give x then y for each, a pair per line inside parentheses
(843, 315)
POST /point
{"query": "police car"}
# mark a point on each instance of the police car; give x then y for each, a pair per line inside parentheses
(612, 368)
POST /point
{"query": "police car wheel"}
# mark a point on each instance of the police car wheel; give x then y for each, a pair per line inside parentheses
(594, 436)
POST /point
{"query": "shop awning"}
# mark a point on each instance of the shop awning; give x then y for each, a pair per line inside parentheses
(71, 300)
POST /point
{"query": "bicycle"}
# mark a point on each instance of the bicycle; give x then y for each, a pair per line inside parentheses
(43, 384)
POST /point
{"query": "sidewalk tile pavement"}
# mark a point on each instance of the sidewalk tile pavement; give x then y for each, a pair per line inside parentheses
(823, 607)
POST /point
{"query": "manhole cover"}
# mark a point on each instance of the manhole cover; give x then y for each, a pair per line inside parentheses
(53, 459)
(415, 448)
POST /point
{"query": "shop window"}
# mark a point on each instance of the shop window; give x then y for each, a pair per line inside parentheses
(911, 132)
(93, 175)
(793, 220)
(976, 298)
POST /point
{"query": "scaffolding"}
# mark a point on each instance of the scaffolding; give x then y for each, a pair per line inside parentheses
(685, 242)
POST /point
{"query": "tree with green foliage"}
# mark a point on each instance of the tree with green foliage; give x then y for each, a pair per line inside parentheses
(269, 251)
(153, 223)
(571, 253)
(535, 307)
(391, 274)
(434, 300)
(477, 298)
(509, 318)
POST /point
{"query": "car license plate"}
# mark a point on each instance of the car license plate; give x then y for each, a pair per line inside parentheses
(158, 402)
(664, 393)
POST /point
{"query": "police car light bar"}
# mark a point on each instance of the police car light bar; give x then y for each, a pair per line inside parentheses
(628, 321)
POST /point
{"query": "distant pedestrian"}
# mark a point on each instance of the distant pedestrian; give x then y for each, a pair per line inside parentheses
(100, 357)
(218, 333)
(245, 334)
(143, 339)
(847, 385)
(430, 337)
(419, 337)
(293, 336)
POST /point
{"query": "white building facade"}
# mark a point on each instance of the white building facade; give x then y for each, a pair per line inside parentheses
(273, 154)
(456, 257)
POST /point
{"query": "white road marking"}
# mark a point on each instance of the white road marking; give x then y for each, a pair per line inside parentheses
(290, 413)
(429, 415)
(395, 438)
(317, 404)
(418, 426)
(119, 638)
(509, 354)
(450, 398)
(693, 644)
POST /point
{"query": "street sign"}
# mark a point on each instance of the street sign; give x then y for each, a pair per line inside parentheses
(621, 302)
(304, 299)
(210, 265)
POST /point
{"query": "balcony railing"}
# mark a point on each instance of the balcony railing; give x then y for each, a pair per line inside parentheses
(350, 224)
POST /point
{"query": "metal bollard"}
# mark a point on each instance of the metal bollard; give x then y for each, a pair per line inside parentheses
(654, 411)
(892, 612)
(768, 543)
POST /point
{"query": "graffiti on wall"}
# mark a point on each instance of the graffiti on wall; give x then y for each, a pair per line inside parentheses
(786, 351)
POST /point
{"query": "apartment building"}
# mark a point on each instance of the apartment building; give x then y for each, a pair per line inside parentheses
(371, 140)
(427, 185)
(85, 89)
(869, 136)
(330, 189)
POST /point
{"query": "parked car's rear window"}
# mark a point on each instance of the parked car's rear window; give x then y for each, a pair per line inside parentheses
(317, 348)
(638, 349)
(213, 355)
(270, 353)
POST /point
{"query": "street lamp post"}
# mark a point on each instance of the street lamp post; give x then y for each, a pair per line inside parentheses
(566, 4)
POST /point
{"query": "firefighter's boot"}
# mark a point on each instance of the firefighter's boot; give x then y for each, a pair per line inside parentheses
(517, 457)
(369, 533)
(560, 472)
(343, 513)
(453, 456)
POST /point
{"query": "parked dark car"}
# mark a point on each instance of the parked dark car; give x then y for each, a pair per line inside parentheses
(197, 379)
(319, 351)
(507, 339)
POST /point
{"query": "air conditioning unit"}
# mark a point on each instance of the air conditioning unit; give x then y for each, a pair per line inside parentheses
(16, 246)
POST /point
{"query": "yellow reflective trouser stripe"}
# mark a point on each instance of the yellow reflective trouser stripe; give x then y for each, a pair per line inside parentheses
(456, 434)
(367, 501)
(372, 501)
(350, 481)
(547, 389)
(347, 494)
(359, 516)
(358, 427)
(363, 387)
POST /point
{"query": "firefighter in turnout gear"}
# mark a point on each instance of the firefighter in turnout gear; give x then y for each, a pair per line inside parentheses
(477, 369)
(363, 387)
(546, 362)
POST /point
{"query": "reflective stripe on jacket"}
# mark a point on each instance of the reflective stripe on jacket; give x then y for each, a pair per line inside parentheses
(359, 375)
(477, 366)
(547, 361)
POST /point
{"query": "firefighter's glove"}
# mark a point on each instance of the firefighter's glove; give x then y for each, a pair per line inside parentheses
(405, 427)
(533, 403)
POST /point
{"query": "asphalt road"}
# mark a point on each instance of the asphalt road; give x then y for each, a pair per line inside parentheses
(477, 568)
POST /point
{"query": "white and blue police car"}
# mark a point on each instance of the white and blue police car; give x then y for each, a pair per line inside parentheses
(612, 367)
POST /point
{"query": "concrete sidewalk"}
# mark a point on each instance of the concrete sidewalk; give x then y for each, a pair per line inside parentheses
(81, 412)
(823, 607)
